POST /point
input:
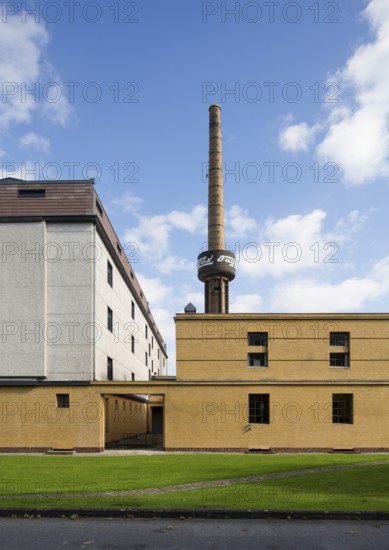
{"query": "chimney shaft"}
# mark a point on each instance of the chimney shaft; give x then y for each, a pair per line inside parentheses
(216, 266)
(215, 182)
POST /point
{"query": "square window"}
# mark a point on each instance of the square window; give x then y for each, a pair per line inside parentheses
(257, 359)
(339, 360)
(259, 408)
(257, 338)
(109, 273)
(63, 400)
(339, 338)
(110, 319)
(342, 408)
(109, 369)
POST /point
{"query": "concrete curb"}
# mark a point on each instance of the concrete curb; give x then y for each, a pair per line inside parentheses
(129, 513)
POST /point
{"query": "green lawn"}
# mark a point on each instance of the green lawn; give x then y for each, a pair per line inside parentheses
(57, 482)
(364, 489)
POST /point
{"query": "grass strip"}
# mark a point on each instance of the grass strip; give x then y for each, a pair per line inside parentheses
(52, 482)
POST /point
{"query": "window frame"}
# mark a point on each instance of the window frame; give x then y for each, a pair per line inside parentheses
(334, 358)
(133, 310)
(132, 343)
(262, 416)
(264, 364)
(339, 334)
(109, 368)
(109, 274)
(347, 413)
(109, 319)
(63, 400)
(251, 336)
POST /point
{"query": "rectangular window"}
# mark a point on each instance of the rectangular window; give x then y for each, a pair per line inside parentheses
(133, 377)
(146, 359)
(257, 338)
(339, 360)
(109, 319)
(152, 342)
(109, 369)
(32, 192)
(342, 408)
(149, 349)
(257, 359)
(63, 401)
(339, 338)
(132, 344)
(158, 353)
(259, 408)
(146, 331)
(132, 310)
(109, 273)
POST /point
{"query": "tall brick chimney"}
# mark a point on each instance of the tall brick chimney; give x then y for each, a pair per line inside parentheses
(216, 265)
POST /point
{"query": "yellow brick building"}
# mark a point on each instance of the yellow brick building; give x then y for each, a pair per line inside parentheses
(304, 382)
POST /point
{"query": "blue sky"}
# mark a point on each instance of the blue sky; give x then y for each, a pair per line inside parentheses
(121, 93)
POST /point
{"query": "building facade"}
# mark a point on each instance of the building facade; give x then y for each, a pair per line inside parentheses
(288, 382)
(71, 308)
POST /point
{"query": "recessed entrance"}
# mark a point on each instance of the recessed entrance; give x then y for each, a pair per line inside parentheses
(134, 422)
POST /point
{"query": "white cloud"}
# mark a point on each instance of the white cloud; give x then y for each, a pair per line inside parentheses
(154, 289)
(359, 145)
(238, 222)
(35, 141)
(350, 295)
(128, 202)
(246, 303)
(174, 263)
(152, 234)
(194, 221)
(297, 137)
(23, 68)
(296, 243)
(357, 128)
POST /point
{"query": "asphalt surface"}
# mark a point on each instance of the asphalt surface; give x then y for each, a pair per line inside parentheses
(192, 534)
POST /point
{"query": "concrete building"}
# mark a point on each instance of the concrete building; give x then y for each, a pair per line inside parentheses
(71, 307)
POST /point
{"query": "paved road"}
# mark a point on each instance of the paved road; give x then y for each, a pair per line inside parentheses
(192, 534)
